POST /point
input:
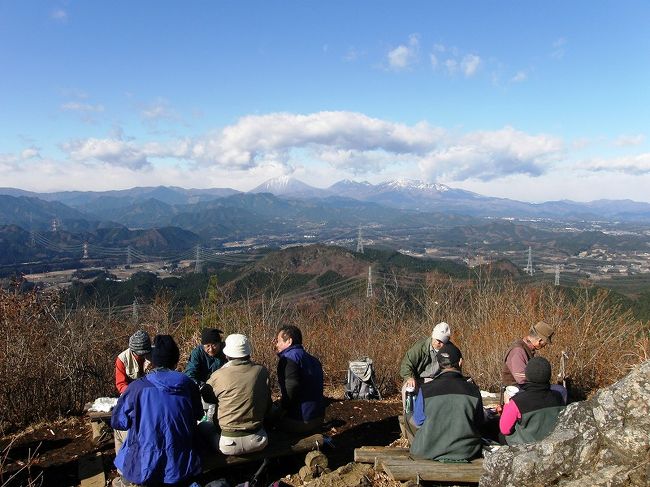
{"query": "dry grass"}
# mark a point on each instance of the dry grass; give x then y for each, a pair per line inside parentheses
(54, 360)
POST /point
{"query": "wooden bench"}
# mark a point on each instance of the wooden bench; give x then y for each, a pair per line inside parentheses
(279, 446)
(399, 466)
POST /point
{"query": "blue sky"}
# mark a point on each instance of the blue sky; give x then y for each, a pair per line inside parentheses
(527, 100)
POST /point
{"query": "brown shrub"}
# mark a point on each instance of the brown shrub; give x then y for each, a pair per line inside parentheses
(55, 359)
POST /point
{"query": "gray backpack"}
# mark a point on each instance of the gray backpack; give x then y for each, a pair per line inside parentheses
(361, 380)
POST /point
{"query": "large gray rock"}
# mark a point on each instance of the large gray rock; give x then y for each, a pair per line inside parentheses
(604, 441)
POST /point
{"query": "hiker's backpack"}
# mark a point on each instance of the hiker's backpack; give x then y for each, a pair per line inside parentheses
(361, 380)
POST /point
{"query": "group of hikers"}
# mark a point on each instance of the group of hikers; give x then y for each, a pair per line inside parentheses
(222, 401)
(444, 418)
(157, 438)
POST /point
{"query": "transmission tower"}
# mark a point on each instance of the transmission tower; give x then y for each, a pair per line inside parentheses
(557, 275)
(360, 242)
(529, 267)
(197, 263)
(129, 258)
(134, 312)
(85, 254)
(369, 286)
(55, 225)
(32, 238)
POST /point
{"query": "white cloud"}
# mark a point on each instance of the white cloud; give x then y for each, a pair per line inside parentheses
(115, 152)
(30, 153)
(157, 111)
(275, 135)
(17, 163)
(451, 65)
(519, 77)
(637, 164)
(581, 143)
(629, 140)
(404, 55)
(470, 64)
(345, 141)
(75, 106)
(494, 154)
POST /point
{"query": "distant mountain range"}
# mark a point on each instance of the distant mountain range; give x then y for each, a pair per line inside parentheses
(286, 206)
(431, 197)
(401, 194)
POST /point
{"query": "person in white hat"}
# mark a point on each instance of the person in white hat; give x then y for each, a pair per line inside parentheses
(419, 364)
(242, 393)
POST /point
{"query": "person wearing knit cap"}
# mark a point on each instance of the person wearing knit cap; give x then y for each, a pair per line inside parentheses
(131, 364)
(206, 357)
(160, 410)
(241, 389)
(532, 413)
(448, 412)
(419, 364)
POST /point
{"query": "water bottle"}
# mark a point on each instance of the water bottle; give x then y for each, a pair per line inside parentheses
(410, 394)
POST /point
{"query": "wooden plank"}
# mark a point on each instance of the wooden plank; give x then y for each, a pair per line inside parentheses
(406, 469)
(373, 454)
(91, 471)
(278, 447)
(100, 415)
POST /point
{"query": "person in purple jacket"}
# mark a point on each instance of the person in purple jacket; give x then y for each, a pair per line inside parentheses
(300, 376)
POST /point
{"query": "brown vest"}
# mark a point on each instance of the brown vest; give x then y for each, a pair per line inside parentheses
(507, 379)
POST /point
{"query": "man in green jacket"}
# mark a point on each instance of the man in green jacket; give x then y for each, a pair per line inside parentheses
(449, 413)
(419, 364)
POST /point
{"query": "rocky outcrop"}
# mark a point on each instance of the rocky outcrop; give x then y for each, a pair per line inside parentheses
(350, 475)
(604, 441)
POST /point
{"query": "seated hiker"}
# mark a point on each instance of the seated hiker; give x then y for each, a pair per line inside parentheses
(449, 413)
(300, 376)
(532, 413)
(522, 350)
(131, 364)
(419, 364)
(160, 411)
(242, 393)
(407, 421)
(205, 359)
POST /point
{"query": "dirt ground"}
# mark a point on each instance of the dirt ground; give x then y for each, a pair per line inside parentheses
(49, 453)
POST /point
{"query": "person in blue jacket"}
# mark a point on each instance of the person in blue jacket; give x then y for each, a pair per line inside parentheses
(160, 410)
(300, 376)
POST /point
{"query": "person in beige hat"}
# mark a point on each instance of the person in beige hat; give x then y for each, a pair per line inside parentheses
(242, 393)
(521, 351)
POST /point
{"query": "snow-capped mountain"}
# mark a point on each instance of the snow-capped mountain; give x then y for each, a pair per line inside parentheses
(432, 197)
(288, 186)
